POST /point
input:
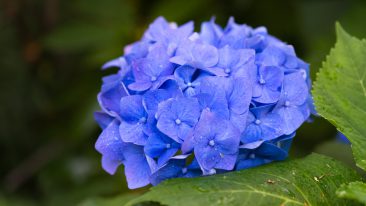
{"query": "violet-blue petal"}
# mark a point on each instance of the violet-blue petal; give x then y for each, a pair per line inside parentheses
(152, 98)
(156, 29)
(161, 147)
(262, 125)
(271, 151)
(292, 118)
(197, 55)
(216, 141)
(110, 145)
(267, 88)
(118, 62)
(112, 91)
(137, 169)
(173, 169)
(235, 61)
(295, 88)
(110, 165)
(133, 133)
(211, 32)
(213, 97)
(131, 108)
(271, 56)
(103, 119)
(249, 163)
(176, 117)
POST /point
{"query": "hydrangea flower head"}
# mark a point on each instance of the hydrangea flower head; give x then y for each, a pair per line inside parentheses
(187, 104)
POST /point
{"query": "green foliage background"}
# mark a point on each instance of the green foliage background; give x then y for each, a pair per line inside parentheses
(50, 55)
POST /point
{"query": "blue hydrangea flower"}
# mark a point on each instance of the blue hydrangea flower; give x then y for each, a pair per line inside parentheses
(267, 88)
(293, 105)
(134, 118)
(262, 125)
(236, 63)
(215, 142)
(161, 147)
(176, 167)
(187, 104)
(111, 146)
(151, 71)
(177, 117)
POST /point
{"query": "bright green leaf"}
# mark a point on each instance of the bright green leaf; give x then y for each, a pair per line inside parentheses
(309, 181)
(340, 91)
(354, 190)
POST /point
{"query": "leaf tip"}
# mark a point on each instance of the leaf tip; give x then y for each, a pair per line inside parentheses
(340, 32)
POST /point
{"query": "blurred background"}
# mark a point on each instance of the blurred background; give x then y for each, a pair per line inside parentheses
(51, 52)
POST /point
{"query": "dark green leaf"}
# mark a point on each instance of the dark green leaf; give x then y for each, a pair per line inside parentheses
(340, 92)
(115, 201)
(309, 181)
(354, 190)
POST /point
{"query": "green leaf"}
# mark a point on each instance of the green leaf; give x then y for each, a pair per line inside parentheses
(115, 201)
(354, 190)
(309, 181)
(340, 91)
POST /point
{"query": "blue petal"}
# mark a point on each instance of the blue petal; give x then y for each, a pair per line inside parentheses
(184, 110)
(131, 108)
(137, 169)
(103, 119)
(197, 55)
(295, 88)
(211, 32)
(157, 144)
(227, 161)
(165, 156)
(215, 140)
(132, 133)
(236, 60)
(228, 137)
(249, 163)
(181, 33)
(151, 99)
(110, 165)
(291, 62)
(136, 50)
(269, 84)
(156, 29)
(271, 126)
(284, 142)
(235, 35)
(184, 75)
(140, 86)
(239, 94)
(110, 145)
(252, 145)
(214, 99)
(292, 118)
(111, 93)
(239, 120)
(271, 56)
(148, 71)
(119, 62)
(271, 151)
(188, 144)
(171, 170)
(207, 157)
(252, 133)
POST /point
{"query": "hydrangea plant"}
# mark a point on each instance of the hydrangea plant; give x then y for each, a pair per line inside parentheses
(187, 104)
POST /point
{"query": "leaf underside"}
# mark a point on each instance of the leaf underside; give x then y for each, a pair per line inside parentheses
(309, 181)
(340, 91)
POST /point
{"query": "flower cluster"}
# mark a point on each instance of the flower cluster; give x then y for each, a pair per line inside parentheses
(186, 104)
